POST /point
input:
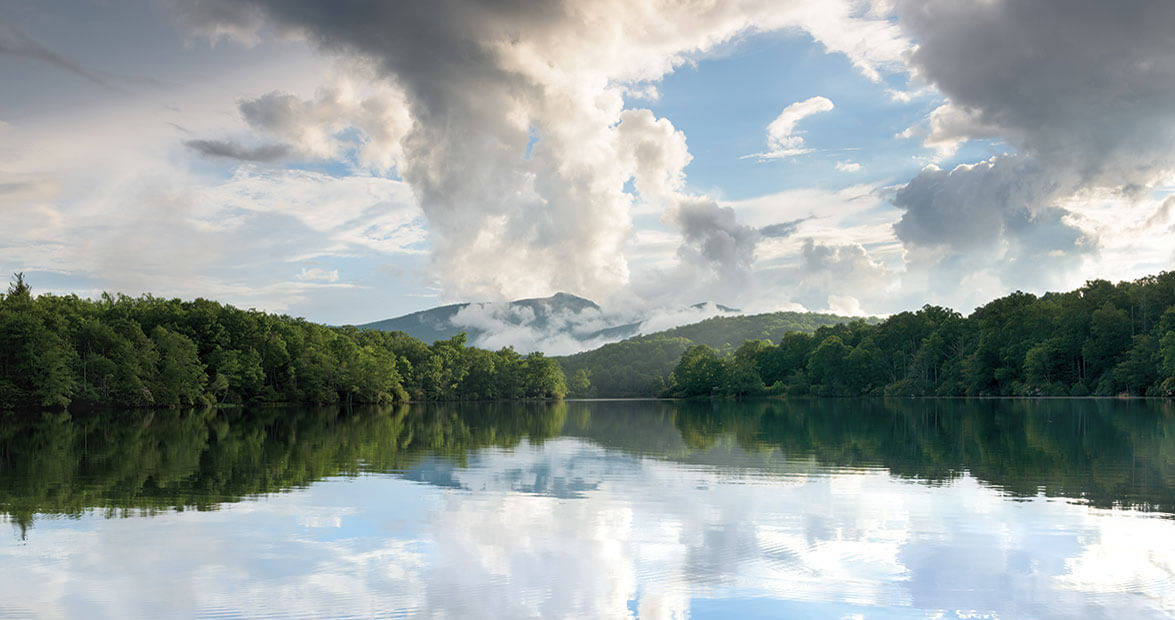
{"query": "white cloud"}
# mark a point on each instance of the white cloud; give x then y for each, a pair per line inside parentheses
(848, 166)
(321, 128)
(318, 274)
(521, 178)
(782, 140)
(949, 126)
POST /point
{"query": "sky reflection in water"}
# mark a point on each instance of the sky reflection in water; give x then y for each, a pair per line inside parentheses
(837, 509)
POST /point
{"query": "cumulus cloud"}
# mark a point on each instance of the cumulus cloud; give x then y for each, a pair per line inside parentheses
(656, 154)
(520, 145)
(848, 166)
(998, 217)
(948, 126)
(715, 238)
(838, 277)
(782, 140)
(367, 121)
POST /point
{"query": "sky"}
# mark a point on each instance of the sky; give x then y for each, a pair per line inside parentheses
(349, 161)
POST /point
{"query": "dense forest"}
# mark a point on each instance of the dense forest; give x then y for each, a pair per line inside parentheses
(58, 351)
(640, 366)
(1102, 339)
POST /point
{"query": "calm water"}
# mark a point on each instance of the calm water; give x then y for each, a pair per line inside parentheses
(825, 509)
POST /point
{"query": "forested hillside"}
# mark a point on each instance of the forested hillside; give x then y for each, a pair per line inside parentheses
(62, 350)
(1102, 339)
(640, 366)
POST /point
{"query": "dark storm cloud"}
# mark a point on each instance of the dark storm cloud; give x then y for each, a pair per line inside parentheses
(232, 150)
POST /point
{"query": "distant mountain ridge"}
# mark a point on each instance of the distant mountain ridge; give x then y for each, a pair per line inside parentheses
(537, 313)
(620, 359)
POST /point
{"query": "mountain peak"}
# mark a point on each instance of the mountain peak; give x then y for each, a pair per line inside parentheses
(702, 306)
(445, 321)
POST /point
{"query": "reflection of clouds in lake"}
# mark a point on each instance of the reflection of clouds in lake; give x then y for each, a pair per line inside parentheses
(661, 534)
(233, 562)
(1127, 553)
(568, 529)
(862, 538)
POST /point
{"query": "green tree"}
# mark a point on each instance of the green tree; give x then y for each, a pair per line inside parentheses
(826, 367)
(179, 378)
(700, 372)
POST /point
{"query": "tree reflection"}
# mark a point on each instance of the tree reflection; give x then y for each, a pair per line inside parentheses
(1109, 453)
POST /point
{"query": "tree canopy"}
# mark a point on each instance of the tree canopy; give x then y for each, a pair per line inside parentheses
(1102, 339)
(640, 366)
(116, 350)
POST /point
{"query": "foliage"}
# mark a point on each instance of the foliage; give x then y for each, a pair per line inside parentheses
(62, 350)
(640, 366)
(1101, 339)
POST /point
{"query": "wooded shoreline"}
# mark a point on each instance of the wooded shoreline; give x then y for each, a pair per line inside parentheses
(1104, 340)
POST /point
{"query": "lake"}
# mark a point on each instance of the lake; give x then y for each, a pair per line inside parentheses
(801, 508)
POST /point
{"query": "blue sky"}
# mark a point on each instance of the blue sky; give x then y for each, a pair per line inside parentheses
(332, 161)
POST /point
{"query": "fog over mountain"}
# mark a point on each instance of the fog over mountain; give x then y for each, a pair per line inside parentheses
(557, 325)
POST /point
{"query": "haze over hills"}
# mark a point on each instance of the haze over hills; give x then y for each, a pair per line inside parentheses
(559, 324)
(444, 322)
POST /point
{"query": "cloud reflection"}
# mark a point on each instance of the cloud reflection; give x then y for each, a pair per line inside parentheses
(570, 529)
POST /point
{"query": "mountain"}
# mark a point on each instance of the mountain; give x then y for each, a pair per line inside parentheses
(578, 318)
(606, 346)
(639, 366)
(703, 305)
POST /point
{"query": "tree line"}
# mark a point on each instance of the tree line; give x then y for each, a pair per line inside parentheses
(58, 351)
(1102, 339)
(640, 366)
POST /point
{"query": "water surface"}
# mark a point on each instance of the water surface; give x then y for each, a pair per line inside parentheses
(826, 509)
